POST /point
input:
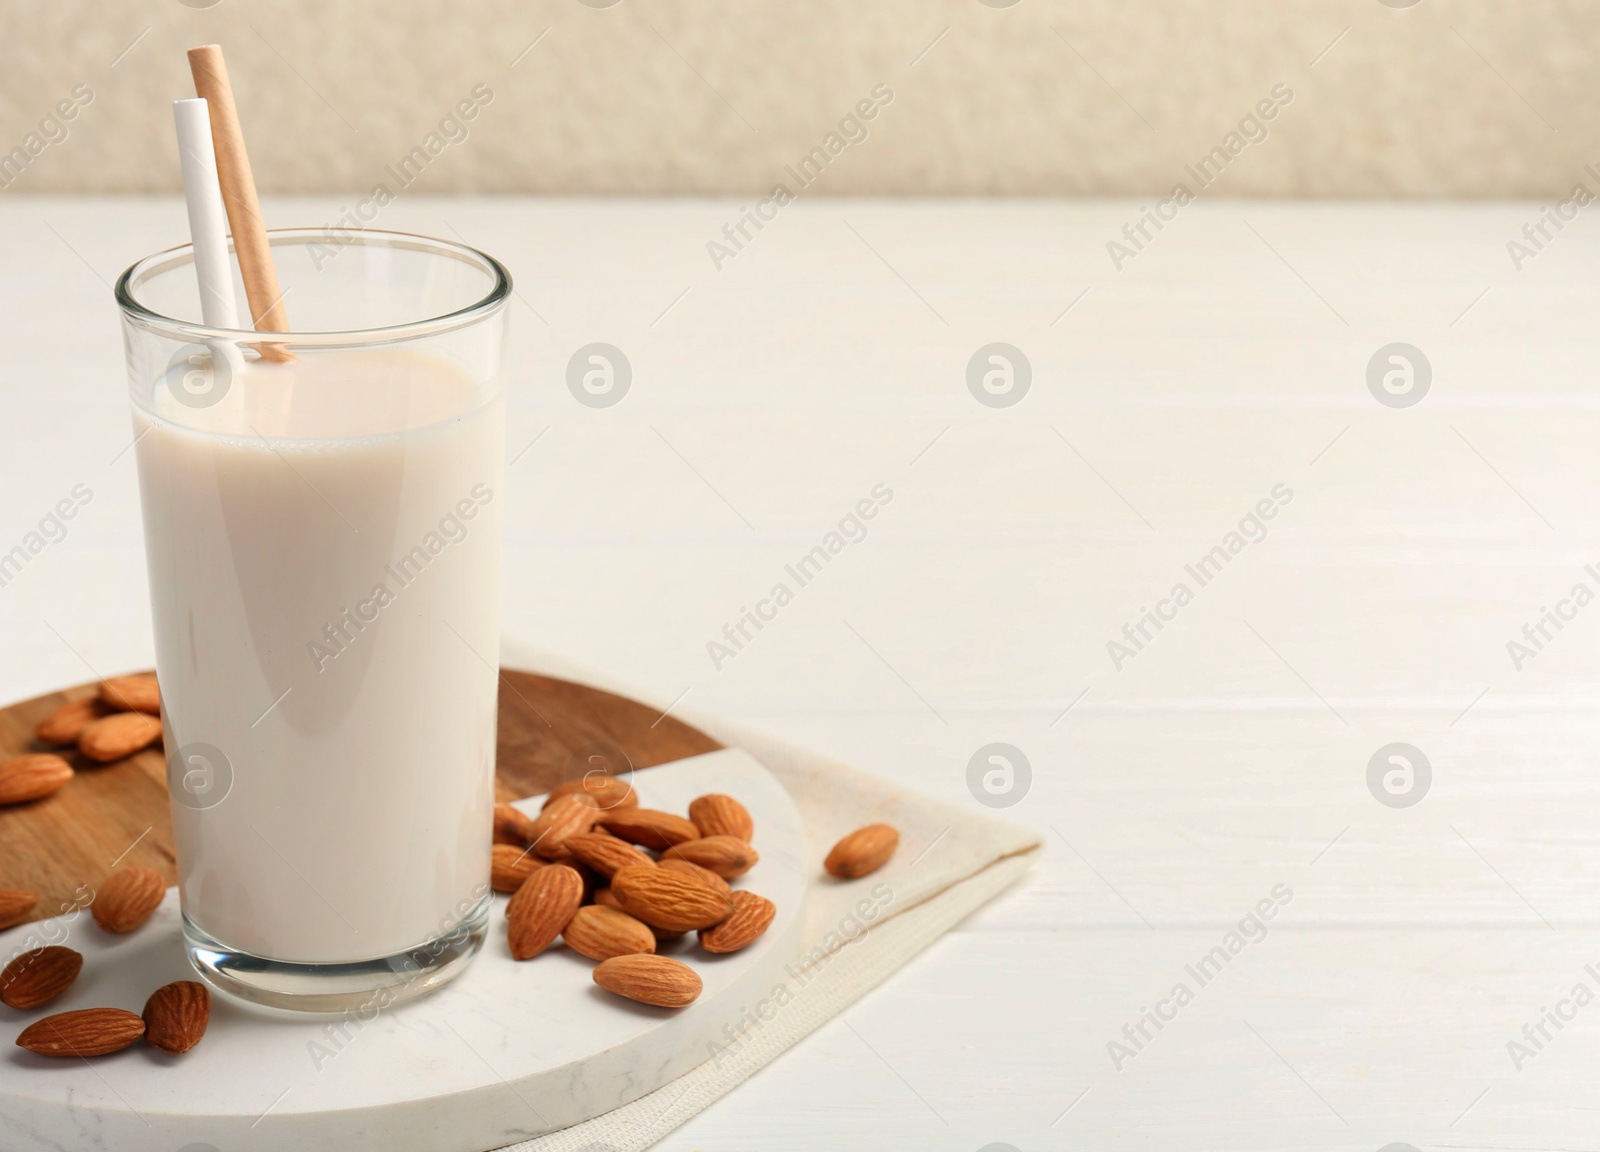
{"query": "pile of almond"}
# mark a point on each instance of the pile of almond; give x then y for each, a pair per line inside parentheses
(122, 718)
(174, 1018)
(614, 881)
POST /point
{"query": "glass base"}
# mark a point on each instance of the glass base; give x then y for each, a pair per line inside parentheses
(363, 986)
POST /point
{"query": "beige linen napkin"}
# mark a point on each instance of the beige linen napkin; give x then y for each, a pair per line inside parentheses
(950, 863)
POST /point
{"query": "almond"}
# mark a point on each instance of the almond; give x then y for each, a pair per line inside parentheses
(566, 816)
(704, 875)
(86, 1032)
(118, 735)
(510, 866)
(864, 850)
(649, 828)
(127, 898)
(601, 933)
(176, 1015)
(541, 909)
(751, 916)
(15, 904)
(719, 815)
(39, 976)
(605, 898)
(31, 777)
(66, 723)
(668, 900)
(138, 693)
(602, 791)
(656, 980)
(727, 856)
(605, 854)
(512, 826)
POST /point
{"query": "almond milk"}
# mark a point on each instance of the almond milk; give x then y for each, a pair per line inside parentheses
(324, 559)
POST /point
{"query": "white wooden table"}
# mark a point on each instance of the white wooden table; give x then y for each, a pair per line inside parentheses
(1227, 757)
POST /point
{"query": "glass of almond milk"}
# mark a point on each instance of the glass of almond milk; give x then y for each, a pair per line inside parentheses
(322, 533)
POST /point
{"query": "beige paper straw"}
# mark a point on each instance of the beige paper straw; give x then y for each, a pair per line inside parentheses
(239, 198)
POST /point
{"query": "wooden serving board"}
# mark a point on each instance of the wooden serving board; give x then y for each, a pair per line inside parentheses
(114, 814)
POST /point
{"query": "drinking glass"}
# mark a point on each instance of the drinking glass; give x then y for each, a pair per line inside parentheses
(322, 533)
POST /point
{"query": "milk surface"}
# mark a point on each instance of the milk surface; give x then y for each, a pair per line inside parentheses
(324, 557)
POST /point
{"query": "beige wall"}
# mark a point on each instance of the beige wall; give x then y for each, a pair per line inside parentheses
(1445, 98)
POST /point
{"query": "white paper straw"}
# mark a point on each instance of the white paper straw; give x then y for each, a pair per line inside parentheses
(208, 223)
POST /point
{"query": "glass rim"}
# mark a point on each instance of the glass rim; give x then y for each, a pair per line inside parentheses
(179, 254)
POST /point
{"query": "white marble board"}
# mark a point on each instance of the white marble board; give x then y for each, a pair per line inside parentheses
(507, 1051)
